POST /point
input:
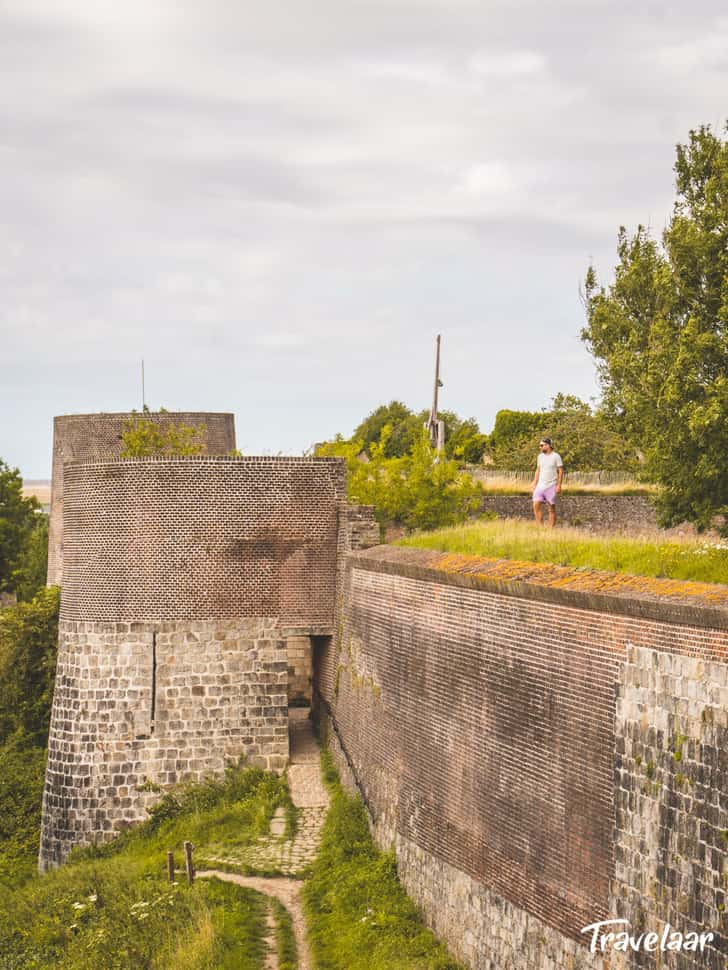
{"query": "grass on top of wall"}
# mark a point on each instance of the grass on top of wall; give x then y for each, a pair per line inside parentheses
(359, 916)
(515, 486)
(113, 907)
(688, 559)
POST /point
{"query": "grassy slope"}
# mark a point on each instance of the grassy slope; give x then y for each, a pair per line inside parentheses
(112, 907)
(509, 539)
(359, 916)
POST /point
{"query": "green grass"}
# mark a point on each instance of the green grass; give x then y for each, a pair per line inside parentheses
(359, 916)
(285, 937)
(112, 907)
(689, 559)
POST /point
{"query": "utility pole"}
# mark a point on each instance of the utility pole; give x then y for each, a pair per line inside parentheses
(144, 399)
(435, 427)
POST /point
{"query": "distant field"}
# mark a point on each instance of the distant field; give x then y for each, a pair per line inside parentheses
(40, 488)
(689, 559)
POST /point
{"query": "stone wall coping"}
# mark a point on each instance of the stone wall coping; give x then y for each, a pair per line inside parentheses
(202, 459)
(309, 630)
(665, 600)
(138, 414)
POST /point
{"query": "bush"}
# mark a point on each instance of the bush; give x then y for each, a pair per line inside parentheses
(30, 575)
(17, 522)
(421, 490)
(22, 772)
(28, 648)
(143, 436)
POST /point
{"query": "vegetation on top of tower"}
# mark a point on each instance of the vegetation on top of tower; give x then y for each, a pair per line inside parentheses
(144, 435)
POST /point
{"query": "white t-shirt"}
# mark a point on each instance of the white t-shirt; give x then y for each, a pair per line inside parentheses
(547, 469)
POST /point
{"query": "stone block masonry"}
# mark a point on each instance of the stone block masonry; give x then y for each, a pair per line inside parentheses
(518, 733)
(141, 706)
(95, 436)
(600, 512)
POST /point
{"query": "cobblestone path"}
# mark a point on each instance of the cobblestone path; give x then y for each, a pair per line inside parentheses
(291, 857)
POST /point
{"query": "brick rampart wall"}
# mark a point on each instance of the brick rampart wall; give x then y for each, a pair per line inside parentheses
(476, 709)
(97, 436)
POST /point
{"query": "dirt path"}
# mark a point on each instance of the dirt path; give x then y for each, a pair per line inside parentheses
(287, 891)
(290, 856)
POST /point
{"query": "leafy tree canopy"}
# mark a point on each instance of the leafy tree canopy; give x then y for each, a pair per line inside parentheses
(144, 435)
(18, 518)
(463, 440)
(28, 641)
(419, 490)
(585, 439)
(32, 569)
(659, 334)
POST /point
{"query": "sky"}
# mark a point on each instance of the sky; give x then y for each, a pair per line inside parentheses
(279, 205)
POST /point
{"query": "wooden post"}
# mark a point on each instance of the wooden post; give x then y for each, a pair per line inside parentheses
(190, 869)
(170, 866)
(437, 433)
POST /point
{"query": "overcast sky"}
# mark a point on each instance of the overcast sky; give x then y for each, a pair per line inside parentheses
(278, 205)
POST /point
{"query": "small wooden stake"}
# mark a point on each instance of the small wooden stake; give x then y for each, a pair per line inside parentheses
(170, 866)
(188, 863)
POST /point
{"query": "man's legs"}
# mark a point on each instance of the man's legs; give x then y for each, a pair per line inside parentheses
(552, 515)
(538, 512)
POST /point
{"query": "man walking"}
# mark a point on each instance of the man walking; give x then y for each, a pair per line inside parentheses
(547, 481)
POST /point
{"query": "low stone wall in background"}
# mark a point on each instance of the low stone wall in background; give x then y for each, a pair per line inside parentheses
(600, 513)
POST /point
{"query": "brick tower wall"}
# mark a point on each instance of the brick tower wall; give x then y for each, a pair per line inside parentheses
(180, 575)
(95, 436)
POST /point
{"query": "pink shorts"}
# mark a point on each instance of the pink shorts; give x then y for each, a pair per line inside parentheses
(547, 494)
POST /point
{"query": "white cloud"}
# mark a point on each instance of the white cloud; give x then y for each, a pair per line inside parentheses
(293, 205)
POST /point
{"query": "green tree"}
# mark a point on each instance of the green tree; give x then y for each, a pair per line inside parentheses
(144, 435)
(28, 643)
(17, 521)
(404, 429)
(585, 439)
(30, 574)
(463, 440)
(420, 490)
(659, 334)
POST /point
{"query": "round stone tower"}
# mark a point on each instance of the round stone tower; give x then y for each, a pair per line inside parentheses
(182, 579)
(95, 436)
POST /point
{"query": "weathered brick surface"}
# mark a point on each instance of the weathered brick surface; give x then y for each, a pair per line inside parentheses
(159, 538)
(96, 436)
(142, 704)
(480, 725)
